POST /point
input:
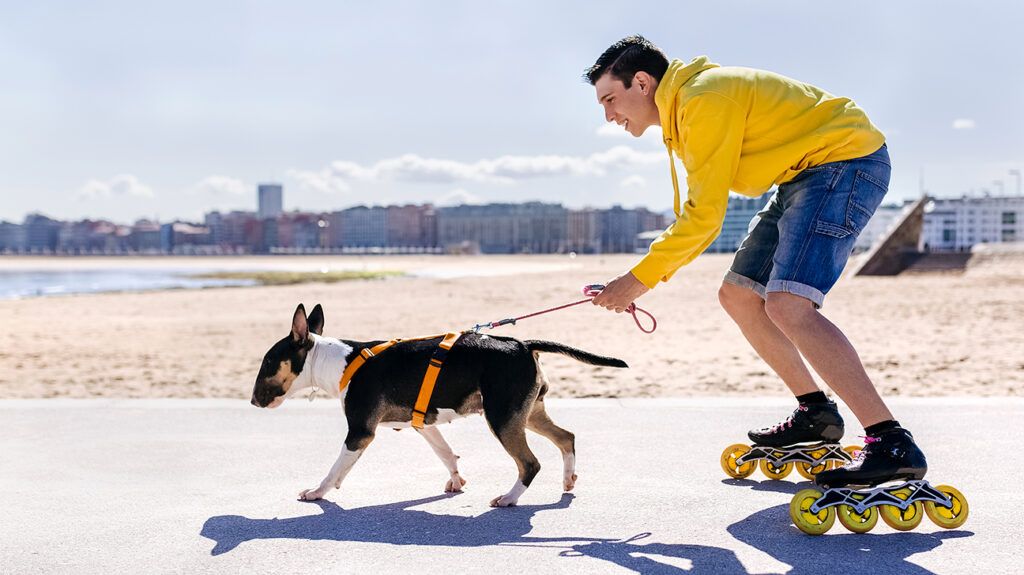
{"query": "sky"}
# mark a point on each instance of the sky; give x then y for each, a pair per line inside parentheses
(124, 109)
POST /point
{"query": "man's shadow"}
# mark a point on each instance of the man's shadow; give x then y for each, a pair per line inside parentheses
(393, 523)
(772, 531)
(642, 558)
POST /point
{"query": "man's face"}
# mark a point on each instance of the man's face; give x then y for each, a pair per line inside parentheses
(632, 108)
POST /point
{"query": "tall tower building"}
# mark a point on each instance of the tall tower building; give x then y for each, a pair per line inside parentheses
(270, 200)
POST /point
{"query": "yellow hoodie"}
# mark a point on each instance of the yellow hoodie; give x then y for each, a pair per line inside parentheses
(743, 130)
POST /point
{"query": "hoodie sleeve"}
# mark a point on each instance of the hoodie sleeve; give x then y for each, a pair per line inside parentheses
(711, 130)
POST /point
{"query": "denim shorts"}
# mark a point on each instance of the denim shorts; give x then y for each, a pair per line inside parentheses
(800, 242)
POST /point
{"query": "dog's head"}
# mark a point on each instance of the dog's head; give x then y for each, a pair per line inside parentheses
(283, 363)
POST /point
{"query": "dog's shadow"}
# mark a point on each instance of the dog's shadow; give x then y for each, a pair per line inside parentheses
(393, 523)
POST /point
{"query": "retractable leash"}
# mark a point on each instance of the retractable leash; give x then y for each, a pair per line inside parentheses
(591, 291)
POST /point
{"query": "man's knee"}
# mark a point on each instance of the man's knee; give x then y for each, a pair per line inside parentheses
(738, 300)
(788, 311)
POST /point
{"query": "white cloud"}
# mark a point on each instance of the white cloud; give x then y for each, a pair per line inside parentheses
(219, 185)
(325, 181)
(459, 196)
(119, 186)
(963, 124)
(336, 177)
(635, 181)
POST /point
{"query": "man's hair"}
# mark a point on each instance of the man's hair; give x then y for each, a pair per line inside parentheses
(625, 58)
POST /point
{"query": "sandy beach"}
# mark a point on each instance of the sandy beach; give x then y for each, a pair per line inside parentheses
(919, 335)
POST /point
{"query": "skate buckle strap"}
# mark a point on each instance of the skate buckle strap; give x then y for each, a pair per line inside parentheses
(868, 440)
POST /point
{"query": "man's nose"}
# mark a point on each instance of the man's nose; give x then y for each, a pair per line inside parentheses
(609, 116)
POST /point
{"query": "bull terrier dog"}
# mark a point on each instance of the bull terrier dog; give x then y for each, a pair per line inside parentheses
(497, 376)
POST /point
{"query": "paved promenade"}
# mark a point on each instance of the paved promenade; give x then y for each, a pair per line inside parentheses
(209, 486)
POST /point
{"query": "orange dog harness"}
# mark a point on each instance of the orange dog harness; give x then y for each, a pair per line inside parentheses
(419, 412)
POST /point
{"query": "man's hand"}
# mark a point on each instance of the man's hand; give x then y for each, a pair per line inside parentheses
(620, 292)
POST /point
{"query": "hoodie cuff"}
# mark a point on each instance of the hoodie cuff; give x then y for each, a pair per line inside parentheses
(648, 272)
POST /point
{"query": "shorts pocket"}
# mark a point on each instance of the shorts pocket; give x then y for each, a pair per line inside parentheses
(847, 210)
(865, 199)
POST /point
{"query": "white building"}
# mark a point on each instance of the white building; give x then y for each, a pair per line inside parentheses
(957, 224)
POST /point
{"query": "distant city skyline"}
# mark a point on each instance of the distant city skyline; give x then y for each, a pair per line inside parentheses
(122, 111)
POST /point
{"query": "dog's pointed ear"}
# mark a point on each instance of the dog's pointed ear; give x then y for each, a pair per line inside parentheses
(300, 327)
(316, 320)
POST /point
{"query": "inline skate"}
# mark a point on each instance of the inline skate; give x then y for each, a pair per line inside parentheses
(807, 440)
(856, 495)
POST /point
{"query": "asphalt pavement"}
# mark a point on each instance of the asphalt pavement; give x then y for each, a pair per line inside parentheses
(210, 486)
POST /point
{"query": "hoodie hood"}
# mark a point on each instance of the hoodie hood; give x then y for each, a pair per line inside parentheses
(665, 97)
(677, 75)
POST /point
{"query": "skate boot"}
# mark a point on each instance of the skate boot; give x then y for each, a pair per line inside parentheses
(891, 457)
(809, 423)
(808, 439)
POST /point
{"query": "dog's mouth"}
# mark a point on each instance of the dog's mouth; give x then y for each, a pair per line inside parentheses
(261, 400)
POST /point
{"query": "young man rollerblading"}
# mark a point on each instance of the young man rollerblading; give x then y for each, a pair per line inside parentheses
(747, 130)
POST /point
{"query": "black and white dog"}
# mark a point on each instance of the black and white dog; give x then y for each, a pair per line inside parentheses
(497, 376)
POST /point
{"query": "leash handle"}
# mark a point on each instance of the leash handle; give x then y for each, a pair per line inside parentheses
(593, 290)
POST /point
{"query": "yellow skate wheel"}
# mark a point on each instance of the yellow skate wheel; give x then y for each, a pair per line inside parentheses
(808, 471)
(850, 450)
(810, 523)
(948, 518)
(857, 522)
(902, 519)
(729, 457)
(772, 472)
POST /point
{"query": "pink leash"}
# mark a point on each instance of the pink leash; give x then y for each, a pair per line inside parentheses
(590, 291)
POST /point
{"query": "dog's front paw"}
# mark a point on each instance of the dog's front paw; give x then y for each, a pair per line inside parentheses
(311, 494)
(454, 484)
(503, 501)
(569, 482)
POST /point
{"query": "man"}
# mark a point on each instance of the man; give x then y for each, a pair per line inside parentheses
(745, 130)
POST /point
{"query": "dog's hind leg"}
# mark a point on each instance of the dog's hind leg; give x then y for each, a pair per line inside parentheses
(513, 439)
(355, 444)
(447, 457)
(539, 422)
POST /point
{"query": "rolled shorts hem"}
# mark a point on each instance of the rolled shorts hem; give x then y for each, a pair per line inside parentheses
(742, 281)
(796, 288)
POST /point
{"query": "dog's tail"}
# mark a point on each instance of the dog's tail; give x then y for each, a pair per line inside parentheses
(577, 354)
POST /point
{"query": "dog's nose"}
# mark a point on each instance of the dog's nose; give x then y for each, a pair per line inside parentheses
(254, 402)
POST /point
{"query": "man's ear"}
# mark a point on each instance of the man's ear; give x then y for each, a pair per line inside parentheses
(316, 320)
(645, 81)
(300, 327)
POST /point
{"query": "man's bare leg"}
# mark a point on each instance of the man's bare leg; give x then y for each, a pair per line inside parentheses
(747, 309)
(829, 353)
